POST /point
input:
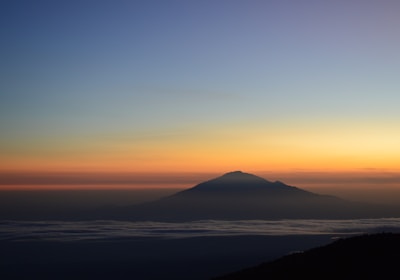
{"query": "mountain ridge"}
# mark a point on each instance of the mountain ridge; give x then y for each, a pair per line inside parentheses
(243, 183)
(360, 257)
(233, 196)
(242, 196)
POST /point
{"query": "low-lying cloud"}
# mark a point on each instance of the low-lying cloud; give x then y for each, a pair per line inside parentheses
(112, 230)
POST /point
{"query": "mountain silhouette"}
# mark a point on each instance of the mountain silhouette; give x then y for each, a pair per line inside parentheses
(361, 257)
(238, 195)
(237, 182)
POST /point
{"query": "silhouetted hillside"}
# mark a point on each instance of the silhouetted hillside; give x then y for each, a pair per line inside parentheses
(233, 196)
(237, 195)
(240, 183)
(362, 257)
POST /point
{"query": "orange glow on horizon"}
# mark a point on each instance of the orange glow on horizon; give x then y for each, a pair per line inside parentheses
(362, 178)
(287, 148)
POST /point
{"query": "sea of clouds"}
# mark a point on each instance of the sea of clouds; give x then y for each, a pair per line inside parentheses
(117, 230)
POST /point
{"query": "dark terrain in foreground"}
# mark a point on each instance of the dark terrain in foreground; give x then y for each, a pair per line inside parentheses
(362, 257)
(145, 258)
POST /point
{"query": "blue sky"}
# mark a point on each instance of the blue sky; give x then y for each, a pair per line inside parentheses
(100, 69)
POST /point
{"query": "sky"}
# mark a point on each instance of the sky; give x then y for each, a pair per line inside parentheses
(187, 87)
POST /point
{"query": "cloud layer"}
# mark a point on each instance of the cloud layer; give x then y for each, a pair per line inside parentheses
(111, 230)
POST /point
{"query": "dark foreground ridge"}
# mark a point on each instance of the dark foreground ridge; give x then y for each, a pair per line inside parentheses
(242, 196)
(363, 257)
(198, 258)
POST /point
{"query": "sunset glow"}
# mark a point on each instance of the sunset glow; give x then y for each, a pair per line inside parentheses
(146, 90)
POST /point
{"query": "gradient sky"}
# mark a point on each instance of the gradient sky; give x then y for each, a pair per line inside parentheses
(199, 86)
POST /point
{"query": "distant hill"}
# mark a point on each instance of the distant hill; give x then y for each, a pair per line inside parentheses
(240, 183)
(238, 195)
(362, 257)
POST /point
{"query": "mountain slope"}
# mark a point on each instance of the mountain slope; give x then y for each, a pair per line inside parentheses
(237, 195)
(362, 257)
(241, 183)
